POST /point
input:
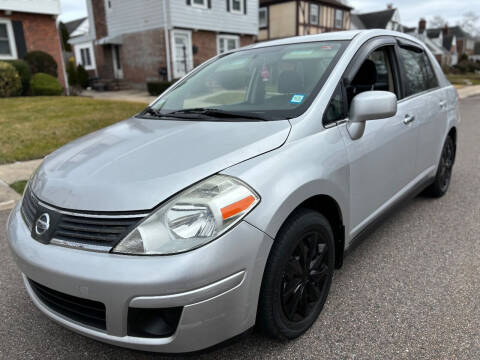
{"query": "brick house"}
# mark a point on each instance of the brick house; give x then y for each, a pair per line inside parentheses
(26, 26)
(284, 18)
(145, 40)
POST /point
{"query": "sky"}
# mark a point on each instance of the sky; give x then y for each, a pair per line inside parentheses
(410, 10)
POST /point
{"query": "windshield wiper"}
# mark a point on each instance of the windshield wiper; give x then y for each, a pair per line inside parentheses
(217, 113)
(158, 114)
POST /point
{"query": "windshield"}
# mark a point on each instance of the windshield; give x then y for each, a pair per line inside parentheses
(270, 83)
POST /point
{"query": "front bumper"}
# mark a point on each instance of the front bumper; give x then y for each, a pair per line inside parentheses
(217, 285)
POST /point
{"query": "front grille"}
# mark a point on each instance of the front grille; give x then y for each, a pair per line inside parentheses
(100, 232)
(29, 208)
(84, 311)
(93, 231)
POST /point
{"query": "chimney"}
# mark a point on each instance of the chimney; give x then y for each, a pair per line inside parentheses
(445, 29)
(422, 24)
(390, 6)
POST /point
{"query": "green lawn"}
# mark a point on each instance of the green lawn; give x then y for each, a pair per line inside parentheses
(19, 186)
(464, 79)
(32, 127)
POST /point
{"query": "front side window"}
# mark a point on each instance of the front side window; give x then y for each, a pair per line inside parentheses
(339, 19)
(236, 6)
(314, 14)
(262, 17)
(375, 73)
(272, 83)
(419, 75)
(227, 43)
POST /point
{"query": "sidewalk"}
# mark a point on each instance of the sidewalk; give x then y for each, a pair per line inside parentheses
(468, 91)
(121, 95)
(11, 173)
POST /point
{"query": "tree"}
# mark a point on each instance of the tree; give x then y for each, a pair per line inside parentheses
(65, 37)
(437, 22)
(470, 23)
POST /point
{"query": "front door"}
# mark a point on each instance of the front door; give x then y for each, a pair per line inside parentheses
(117, 63)
(181, 52)
(382, 160)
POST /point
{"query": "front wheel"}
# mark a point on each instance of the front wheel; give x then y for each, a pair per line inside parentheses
(298, 276)
(444, 172)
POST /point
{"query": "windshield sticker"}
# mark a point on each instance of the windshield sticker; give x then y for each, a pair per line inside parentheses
(297, 99)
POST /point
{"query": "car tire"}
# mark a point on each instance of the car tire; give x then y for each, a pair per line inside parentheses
(299, 270)
(444, 172)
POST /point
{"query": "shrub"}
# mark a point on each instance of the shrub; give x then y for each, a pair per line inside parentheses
(72, 73)
(10, 82)
(155, 88)
(41, 62)
(25, 74)
(82, 76)
(45, 85)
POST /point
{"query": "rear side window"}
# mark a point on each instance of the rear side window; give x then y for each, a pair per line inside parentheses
(418, 71)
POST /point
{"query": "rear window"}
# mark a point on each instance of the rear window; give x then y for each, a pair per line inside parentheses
(418, 71)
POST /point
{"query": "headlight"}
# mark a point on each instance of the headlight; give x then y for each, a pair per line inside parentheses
(191, 219)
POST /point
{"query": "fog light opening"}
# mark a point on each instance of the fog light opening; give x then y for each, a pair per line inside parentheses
(153, 323)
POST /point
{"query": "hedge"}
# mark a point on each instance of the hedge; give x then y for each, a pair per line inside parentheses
(10, 82)
(41, 62)
(45, 85)
(25, 74)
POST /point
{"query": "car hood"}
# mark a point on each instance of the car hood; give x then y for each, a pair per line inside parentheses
(138, 163)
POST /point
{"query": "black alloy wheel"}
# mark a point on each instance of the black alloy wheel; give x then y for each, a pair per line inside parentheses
(298, 275)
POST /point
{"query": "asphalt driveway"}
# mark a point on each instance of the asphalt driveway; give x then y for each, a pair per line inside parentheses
(411, 290)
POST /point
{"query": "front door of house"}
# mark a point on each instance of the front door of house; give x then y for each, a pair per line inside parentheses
(117, 63)
(182, 52)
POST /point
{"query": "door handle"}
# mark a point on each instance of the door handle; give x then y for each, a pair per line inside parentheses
(442, 104)
(408, 119)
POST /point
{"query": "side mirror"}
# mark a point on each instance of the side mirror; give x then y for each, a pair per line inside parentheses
(370, 105)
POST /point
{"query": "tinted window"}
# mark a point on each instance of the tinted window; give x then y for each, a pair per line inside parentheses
(418, 71)
(336, 108)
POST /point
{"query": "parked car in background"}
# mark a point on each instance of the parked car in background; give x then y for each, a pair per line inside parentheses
(230, 201)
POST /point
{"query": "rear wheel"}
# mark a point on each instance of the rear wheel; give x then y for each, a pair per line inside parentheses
(444, 172)
(298, 276)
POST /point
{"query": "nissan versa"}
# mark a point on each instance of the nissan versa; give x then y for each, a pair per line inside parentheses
(231, 199)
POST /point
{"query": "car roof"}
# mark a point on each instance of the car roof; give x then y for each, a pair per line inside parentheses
(331, 36)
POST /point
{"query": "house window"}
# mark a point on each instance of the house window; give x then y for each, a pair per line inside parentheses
(8, 50)
(227, 43)
(314, 14)
(339, 19)
(263, 17)
(199, 3)
(86, 58)
(236, 6)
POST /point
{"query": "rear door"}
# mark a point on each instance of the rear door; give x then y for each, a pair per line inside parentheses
(426, 104)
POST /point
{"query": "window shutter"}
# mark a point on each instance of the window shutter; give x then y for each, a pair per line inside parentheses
(245, 7)
(228, 5)
(189, 2)
(19, 39)
(209, 4)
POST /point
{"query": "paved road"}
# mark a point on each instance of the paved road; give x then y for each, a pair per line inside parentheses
(409, 291)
